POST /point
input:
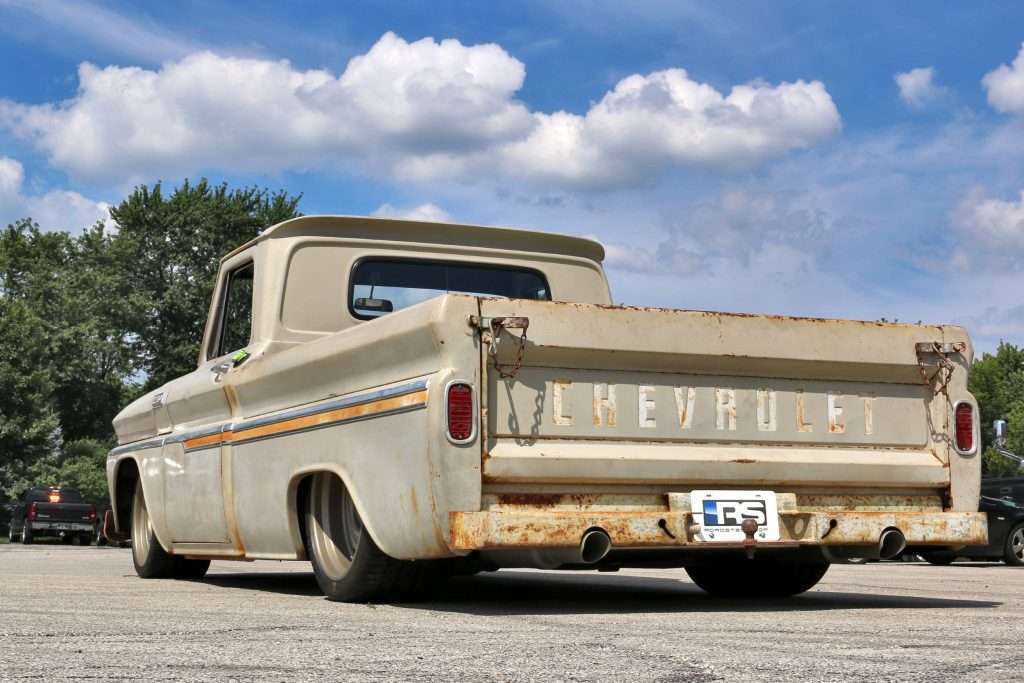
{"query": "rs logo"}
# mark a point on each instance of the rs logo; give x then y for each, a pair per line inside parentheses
(733, 512)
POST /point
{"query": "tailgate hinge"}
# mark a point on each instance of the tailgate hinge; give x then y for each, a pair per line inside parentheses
(490, 333)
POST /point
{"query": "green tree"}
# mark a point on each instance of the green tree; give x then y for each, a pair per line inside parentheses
(167, 250)
(997, 381)
(29, 426)
(70, 285)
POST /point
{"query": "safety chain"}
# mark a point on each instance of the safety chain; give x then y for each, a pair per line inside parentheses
(940, 379)
(508, 370)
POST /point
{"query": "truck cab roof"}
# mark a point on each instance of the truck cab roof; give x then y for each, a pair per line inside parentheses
(428, 232)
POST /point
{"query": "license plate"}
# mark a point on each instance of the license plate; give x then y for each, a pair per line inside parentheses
(60, 525)
(720, 514)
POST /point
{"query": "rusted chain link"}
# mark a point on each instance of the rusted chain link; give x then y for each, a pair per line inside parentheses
(940, 379)
(508, 370)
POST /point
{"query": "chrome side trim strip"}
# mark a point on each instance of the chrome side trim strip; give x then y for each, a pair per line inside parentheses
(333, 404)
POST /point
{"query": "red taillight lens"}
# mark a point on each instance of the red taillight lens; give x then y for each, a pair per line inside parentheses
(460, 412)
(964, 417)
(32, 511)
(92, 513)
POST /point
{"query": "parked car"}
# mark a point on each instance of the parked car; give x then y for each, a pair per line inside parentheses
(373, 395)
(51, 511)
(1007, 488)
(1005, 536)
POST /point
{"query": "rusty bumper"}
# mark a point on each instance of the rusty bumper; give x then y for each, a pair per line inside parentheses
(501, 529)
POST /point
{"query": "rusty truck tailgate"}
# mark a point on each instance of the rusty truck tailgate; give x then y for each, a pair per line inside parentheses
(622, 396)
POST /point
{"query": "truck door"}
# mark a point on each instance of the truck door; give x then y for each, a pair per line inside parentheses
(201, 411)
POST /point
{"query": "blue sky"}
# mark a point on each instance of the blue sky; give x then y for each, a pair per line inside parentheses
(843, 160)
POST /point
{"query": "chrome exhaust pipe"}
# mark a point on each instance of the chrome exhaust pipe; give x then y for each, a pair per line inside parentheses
(891, 543)
(594, 546)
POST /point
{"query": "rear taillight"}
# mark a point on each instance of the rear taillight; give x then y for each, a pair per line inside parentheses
(460, 411)
(963, 415)
(92, 513)
(32, 511)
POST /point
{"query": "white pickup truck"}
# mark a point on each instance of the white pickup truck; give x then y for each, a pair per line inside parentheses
(396, 401)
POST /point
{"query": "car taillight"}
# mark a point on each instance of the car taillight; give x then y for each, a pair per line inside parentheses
(460, 411)
(32, 511)
(964, 417)
(92, 513)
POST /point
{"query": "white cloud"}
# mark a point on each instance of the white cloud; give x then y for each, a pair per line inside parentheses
(917, 86)
(1005, 85)
(420, 111)
(993, 227)
(648, 122)
(423, 212)
(54, 210)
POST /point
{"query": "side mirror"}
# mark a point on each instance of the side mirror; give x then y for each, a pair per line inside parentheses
(375, 305)
(1000, 429)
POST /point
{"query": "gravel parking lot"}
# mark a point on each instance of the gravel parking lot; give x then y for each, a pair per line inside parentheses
(76, 612)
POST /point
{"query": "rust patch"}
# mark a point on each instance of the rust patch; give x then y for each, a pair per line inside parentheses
(540, 500)
(413, 502)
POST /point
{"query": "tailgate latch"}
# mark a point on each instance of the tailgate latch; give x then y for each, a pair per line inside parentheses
(491, 329)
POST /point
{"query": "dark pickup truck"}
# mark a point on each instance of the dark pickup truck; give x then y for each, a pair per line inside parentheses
(54, 512)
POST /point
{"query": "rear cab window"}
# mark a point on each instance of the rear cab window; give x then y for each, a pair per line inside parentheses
(381, 286)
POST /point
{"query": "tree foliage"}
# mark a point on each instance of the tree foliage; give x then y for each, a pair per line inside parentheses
(997, 381)
(90, 321)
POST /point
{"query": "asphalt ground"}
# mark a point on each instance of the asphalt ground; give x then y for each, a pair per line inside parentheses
(72, 613)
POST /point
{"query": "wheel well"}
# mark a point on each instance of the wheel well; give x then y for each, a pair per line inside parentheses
(126, 478)
(301, 502)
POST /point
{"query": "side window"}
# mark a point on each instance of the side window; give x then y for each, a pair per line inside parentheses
(236, 316)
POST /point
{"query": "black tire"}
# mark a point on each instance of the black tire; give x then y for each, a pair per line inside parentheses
(1013, 547)
(26, 535)
(348, 565)
(939, 559)
(11, 536)
(97, 536)
(764, 576)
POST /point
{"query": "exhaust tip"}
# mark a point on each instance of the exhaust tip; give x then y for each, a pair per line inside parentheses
(595, 545)
(891, 543)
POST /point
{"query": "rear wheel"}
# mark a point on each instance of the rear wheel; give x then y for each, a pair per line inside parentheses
(348, 565)
(764, 576)
(151, 560)
(11, 536)
(26, 534)
(1013, 551)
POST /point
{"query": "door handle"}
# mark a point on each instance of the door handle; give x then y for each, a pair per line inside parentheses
(219, 370)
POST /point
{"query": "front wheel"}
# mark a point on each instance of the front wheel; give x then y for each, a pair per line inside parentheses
(348, 565)
(1013, 550)
(763, 576)
(151, 560)
(11, 536)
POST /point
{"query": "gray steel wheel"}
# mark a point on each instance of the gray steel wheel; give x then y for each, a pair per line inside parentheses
(334, 526)
(142, 529)
(346, 561)
(1013, 553)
